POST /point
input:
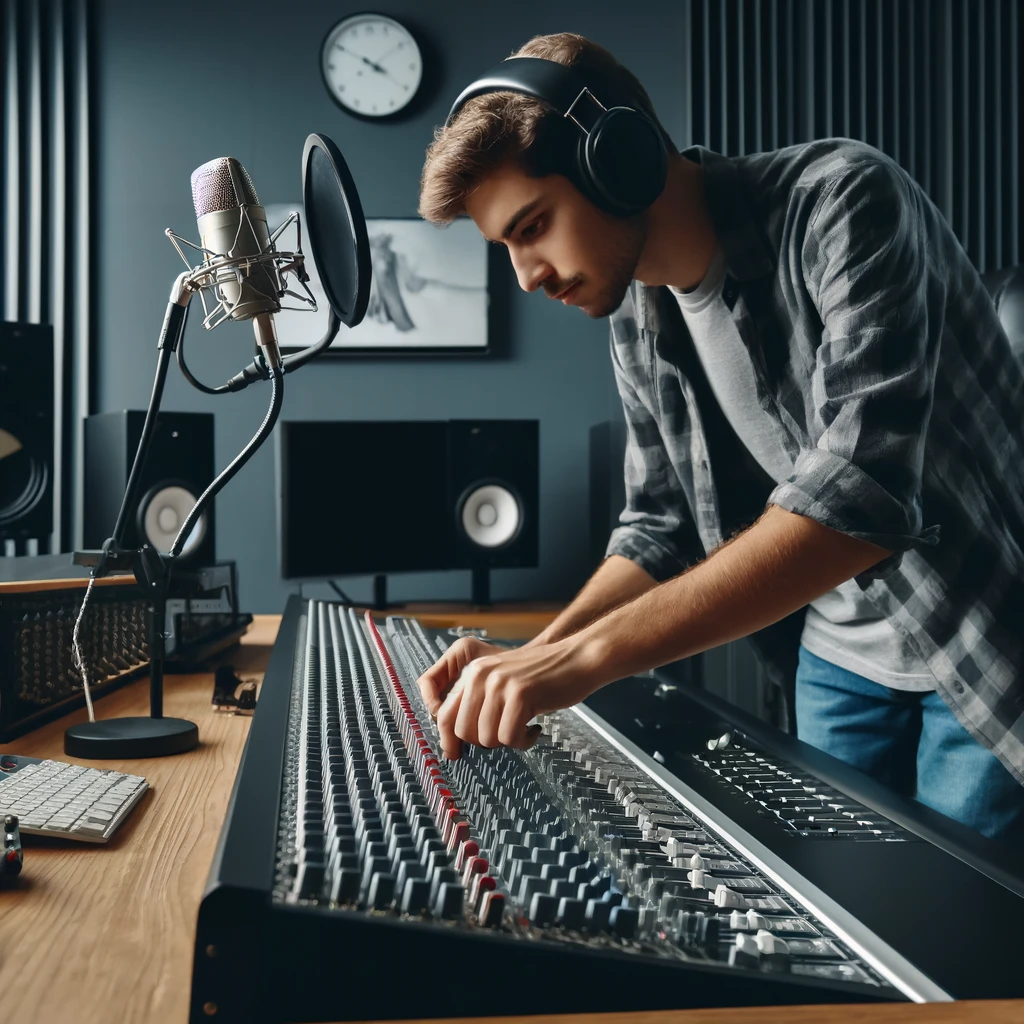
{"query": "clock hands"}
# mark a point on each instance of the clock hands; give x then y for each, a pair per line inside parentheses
(376, 65)
(366, 60)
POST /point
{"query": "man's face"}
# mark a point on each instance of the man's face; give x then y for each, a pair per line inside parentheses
(557, 239)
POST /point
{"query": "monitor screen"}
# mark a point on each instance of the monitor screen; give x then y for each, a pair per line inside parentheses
(359, 498)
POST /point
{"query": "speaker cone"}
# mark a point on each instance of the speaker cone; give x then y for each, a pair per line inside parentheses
(23, 479)
(163, 512)
(491, 515)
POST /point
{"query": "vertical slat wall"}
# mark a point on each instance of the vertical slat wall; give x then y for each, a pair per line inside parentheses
(933, 83)
(45, 209)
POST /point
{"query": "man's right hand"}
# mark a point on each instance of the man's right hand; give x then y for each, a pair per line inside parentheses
(444, 673)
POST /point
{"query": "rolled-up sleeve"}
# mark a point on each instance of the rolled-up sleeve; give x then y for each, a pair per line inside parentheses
(656, 529)
(871, 391)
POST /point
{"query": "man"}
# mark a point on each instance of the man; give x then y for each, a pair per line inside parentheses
(800, 344)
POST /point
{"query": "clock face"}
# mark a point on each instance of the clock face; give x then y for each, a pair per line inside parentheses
(371, 64)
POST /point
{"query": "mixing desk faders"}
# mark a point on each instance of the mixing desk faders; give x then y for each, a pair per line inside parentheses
(360, 875)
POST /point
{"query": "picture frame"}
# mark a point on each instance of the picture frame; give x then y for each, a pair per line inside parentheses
(429, 292)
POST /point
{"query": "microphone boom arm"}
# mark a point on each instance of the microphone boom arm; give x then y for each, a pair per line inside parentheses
(170, 335)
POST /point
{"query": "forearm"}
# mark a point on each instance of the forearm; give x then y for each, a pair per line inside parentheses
(777, 566)
(780, 564)
(616, 581)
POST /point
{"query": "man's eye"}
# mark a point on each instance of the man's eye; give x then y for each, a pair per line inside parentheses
(531, 230)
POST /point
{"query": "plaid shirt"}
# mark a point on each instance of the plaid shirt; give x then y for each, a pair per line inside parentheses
(878, 350)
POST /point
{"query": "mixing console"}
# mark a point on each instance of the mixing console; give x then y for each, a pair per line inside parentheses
(391, 882)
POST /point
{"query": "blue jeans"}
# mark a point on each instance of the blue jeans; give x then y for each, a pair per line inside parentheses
(910, 741)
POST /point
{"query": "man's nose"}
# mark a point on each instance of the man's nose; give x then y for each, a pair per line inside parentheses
(530, 272)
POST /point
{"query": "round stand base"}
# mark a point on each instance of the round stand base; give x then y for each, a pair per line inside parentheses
(130, 737)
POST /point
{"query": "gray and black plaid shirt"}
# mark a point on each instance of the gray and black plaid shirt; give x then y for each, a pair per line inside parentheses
(878, 350)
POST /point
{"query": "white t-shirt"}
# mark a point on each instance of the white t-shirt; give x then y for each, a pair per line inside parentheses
(842, 626)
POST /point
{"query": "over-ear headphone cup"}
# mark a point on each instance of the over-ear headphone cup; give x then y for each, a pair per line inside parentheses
(623, 161)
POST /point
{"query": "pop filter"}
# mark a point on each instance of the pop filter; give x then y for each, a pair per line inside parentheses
(339, 245)
(336, 229)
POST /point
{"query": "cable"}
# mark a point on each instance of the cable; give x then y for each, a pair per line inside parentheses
(256, 371)
(341, 593)
(76, 648)
(187, 373)
(148, 426)
(276, 401)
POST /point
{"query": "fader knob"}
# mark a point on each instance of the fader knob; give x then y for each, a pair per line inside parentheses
(597, 915)
(771, 945)
(382, 891)
(492, 908)
(415, 896)
(745, 952)
(624, 921)
(730, 899)
(542, 909)
(571, 913)
(449, 901)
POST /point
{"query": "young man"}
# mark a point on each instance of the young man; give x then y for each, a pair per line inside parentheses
(800, 344)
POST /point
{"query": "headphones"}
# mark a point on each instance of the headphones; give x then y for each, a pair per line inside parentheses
(620, 158)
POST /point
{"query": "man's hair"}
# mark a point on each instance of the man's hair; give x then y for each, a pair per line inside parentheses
(503, 127)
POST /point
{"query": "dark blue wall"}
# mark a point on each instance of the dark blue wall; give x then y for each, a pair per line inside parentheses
(179, 84)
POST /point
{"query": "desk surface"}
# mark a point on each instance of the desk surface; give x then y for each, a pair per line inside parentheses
(105, 933)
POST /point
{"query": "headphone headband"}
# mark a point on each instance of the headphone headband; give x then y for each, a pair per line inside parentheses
(621, 159)
(557, 85)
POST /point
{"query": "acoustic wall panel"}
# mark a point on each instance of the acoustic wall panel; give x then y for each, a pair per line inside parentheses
(933, 83)
(45, 201)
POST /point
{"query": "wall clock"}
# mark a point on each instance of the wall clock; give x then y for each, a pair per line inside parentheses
(372, 65)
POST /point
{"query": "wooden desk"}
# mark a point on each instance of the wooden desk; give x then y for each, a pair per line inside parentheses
(104, 933)
(512, 621)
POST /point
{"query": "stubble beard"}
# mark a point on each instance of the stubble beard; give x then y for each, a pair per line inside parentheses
(622, 257)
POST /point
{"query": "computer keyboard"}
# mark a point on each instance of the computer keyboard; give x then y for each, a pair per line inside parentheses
(54, 798)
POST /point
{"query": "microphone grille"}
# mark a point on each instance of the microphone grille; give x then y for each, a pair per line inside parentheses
(214, 186)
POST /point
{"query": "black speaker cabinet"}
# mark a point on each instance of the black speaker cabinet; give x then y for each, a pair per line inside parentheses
(493, 494)
(177, 471)
(26, 435)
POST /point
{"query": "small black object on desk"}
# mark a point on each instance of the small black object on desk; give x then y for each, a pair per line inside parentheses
(225, 686)
(12, 858)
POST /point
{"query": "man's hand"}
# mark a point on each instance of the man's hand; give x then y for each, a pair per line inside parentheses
(487, 695)
(484, 695)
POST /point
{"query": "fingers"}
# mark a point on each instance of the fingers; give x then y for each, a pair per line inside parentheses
(514, 729)
(472, 701)
(447, 715)
(478, 700)
(441, 676)
(489, 719)
(460, 711)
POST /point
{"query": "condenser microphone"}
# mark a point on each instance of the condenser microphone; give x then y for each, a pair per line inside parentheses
(234, 234)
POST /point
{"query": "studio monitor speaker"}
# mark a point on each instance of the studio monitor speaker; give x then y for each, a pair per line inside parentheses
(26, 436)
(493, 496)
(179, 468)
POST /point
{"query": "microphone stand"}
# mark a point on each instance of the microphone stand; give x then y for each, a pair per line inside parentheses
(328, 189)
(153, 736)
(156, 735)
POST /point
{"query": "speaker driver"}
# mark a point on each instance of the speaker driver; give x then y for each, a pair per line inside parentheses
(491, 515)
(161, 515)
(23, 479)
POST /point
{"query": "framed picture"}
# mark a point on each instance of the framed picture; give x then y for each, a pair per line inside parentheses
(428, 293)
